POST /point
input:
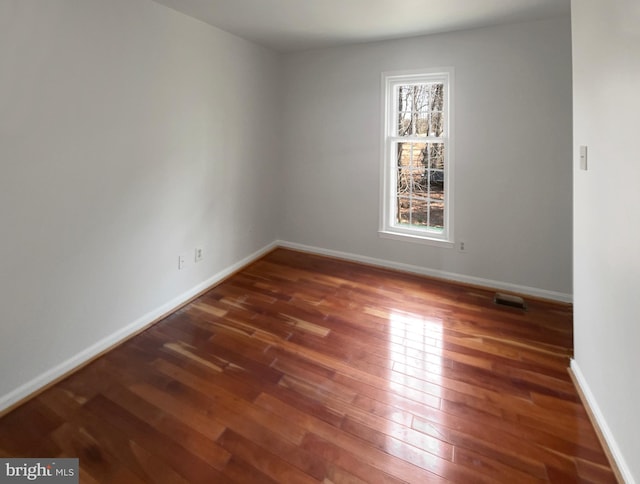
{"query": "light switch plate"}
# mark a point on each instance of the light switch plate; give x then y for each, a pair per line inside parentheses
(583, 158)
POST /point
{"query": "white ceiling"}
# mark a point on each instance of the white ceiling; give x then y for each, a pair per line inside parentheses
(295, 25)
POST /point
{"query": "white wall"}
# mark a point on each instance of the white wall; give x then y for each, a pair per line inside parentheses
(606, 79)
(129, 133)
(512, 162)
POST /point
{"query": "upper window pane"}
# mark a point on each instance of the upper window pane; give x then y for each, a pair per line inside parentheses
(419, 109)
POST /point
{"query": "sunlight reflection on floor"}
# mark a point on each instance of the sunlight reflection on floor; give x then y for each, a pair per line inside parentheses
(415, 349)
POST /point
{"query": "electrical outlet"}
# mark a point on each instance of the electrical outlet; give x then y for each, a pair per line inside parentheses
(461, 246)
(199, 254)
(181, 262)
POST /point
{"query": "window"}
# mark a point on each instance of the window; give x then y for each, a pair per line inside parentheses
(417, 159)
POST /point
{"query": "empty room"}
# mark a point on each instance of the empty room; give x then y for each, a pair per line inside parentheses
(321, 241)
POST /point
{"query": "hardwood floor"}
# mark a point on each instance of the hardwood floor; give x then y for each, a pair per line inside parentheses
(307, 369)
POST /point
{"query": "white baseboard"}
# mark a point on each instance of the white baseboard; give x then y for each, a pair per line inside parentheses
(605, 431)
(425, 271)
(76, 361)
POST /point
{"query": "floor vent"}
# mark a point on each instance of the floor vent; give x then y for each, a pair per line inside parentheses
(510, 300)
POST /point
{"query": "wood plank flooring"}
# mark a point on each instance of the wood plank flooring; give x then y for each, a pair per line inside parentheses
(307, 369)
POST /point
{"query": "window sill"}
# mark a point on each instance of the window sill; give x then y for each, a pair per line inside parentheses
(420, 239)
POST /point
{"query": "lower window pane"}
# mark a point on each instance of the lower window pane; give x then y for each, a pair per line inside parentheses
(436, 214)
(419, 211)
(403, 215)
(420, 185)
(404, 181)
(435, 154)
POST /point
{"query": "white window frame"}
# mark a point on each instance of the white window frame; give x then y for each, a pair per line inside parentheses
(389, 228)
